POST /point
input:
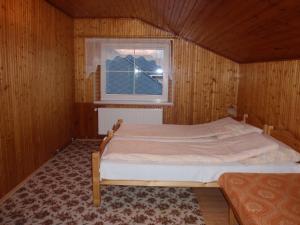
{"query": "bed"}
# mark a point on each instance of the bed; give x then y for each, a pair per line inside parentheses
(266, 199)
(122, 172)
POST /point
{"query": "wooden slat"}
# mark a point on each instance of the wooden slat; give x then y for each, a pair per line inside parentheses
(36, 87)
(205, 84)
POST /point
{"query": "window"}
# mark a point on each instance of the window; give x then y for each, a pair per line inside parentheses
(135, 70)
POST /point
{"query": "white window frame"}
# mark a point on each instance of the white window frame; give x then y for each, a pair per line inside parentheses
(164, 45)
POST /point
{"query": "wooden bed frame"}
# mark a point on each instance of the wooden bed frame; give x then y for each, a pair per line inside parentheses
(97, 183)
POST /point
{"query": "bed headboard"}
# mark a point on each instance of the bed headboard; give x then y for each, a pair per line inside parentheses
(257, 122)
(253, 120)
(282, 135)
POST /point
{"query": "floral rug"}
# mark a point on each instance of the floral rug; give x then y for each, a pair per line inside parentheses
(61, 193)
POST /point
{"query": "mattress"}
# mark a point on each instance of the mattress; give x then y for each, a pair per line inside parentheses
(266, 199)
(124, 170)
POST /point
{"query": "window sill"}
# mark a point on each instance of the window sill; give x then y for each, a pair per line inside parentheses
(133, 103)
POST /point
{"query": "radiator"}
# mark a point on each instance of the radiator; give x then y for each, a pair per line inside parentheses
(108, 116)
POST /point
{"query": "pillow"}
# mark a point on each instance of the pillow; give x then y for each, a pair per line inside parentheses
(239, 129)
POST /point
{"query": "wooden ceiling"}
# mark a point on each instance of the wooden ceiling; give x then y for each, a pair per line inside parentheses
(241, 30)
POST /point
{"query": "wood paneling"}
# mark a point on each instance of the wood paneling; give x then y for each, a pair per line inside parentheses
(205, 84)
(36, 86)
(244, 31)
(271, 92)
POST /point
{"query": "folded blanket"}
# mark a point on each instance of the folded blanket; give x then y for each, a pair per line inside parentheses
(282, 154)
(227, 150)
(173, 140)
(222, 128)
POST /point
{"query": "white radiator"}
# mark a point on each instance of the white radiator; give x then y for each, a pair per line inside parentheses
(108, 116)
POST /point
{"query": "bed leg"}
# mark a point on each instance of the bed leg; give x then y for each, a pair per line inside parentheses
(231, 217)
(266, 127)
(270, 129)
(96, 178)
(245, 117)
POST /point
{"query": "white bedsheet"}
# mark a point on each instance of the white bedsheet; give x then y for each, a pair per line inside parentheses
(122, 170)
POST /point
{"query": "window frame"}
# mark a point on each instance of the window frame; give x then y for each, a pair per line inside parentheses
(156, 44)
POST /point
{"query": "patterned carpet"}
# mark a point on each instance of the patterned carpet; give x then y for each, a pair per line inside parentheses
(60, 193)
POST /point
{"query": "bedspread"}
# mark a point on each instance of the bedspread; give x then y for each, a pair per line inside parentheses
(263, 199)
(227, 150)
(221, 128)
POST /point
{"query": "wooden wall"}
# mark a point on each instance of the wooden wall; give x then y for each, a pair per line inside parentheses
(36, 86)
(271, 92)
(205, 83)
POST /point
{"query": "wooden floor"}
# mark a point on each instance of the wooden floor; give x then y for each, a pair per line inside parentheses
(213, 206)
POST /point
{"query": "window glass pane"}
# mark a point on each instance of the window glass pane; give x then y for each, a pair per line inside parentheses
(149, 59)
(135, 71)
(148, 83)
(119, 82)
(148, 75)
(120, 63)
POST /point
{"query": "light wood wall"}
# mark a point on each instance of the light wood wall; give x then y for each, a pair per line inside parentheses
(36, 86)
(271, 92)
(205, 83)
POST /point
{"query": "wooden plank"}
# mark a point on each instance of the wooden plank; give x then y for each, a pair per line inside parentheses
(158, 183)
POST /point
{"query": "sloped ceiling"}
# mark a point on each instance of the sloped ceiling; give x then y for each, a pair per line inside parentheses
(241, 30)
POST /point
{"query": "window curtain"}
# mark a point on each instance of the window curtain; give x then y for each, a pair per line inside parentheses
(92, 55)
